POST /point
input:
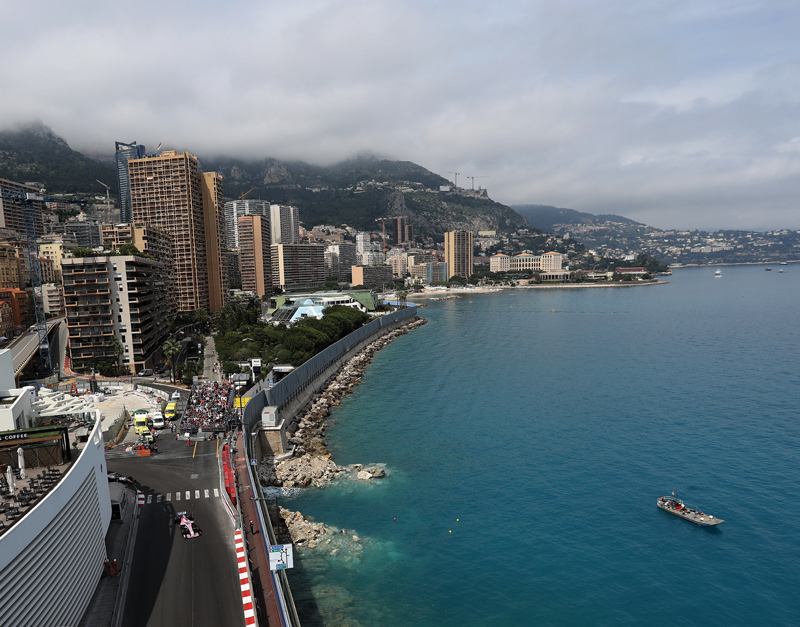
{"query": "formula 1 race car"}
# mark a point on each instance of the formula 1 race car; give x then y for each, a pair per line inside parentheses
(113, 476)
(189, 528)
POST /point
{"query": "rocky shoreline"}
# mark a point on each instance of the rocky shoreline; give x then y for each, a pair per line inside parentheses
(312, 464)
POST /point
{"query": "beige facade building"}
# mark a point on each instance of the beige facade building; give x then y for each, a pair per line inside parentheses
(169, 193)
(547, 262)
(298, 266)
(9, 267)
(255, 254)
(152, 242)
(458, 251)
(6, 321)
(55, 248)
(121, 297)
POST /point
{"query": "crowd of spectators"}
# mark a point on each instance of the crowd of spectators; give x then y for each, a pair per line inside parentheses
(208, 406)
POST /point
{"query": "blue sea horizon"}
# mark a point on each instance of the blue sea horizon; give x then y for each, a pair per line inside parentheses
(527, 435)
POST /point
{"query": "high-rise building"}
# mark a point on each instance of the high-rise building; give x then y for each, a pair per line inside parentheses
(124, 153)
(298, 266)
(214, 219)
(372, 276)
(13, 210)
(284, 221)
(255, 254)
(362, 242)
(339, 258)
(458, 253)
(86, 234)
(235, 209)
(402, 231)
(123, 297)
(170, 194)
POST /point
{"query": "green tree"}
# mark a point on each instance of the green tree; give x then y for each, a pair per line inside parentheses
(116, 347)
(171, 348)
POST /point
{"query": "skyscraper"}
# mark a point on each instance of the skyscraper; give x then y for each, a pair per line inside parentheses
(255, 254)
(124, 153)
(169, 193)
(284, 220)
(402, 231)
(235, 209)
(458, 252)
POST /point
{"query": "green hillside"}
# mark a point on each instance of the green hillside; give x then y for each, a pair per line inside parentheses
(35, 154)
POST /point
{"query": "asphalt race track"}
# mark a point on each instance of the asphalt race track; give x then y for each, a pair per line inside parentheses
(175, 581)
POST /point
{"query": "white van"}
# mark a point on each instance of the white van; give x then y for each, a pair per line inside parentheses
(157, 419)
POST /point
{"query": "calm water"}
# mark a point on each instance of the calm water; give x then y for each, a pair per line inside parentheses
(527, 435)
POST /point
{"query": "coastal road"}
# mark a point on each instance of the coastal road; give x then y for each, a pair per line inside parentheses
(175, 581)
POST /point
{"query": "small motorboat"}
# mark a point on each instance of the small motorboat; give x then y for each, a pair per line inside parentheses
(677, 507)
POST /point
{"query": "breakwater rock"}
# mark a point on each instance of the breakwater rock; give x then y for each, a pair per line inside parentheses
(301, 472)
(312, 464)
(300, 530)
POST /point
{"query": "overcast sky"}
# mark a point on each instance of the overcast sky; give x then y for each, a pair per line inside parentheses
(677, 113)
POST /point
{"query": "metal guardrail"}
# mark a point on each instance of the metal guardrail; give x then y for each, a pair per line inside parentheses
(278, 395)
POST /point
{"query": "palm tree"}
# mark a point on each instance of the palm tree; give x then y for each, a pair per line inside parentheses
(116, 347)
(199, 318)
(170, 349)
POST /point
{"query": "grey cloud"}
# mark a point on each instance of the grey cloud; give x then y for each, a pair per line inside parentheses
(680, 113)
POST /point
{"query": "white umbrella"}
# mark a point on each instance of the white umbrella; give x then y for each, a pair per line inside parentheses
(10, 479)
(21, 461)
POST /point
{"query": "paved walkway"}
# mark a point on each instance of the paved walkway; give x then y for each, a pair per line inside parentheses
(100, 612)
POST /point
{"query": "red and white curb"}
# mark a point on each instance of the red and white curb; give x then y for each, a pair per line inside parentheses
(244, 580)
(140, 498)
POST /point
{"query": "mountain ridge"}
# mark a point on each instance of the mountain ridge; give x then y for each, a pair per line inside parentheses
(356, 192)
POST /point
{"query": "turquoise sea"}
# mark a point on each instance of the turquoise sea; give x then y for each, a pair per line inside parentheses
(527, 435)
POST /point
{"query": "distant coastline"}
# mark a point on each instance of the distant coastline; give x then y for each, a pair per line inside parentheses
(434, 293)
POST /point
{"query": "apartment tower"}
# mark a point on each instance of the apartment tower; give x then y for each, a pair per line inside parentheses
(235, 209)
(255, 255)
(458, 251)
(284, 221)
(170, 194)
(402, 231)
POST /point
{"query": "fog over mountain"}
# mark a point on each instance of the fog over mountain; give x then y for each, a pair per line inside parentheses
(674, 114)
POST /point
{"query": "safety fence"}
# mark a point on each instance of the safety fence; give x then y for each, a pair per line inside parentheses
(300, 378)
(284, 393)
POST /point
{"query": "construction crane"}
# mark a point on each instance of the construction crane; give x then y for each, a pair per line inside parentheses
(245, 194)
(26, 201)
(472, 178)
(383, 227)
(455, 183)
(108, 202)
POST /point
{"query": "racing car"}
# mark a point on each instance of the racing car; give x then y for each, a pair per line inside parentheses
(189, 528)
(113, 476)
